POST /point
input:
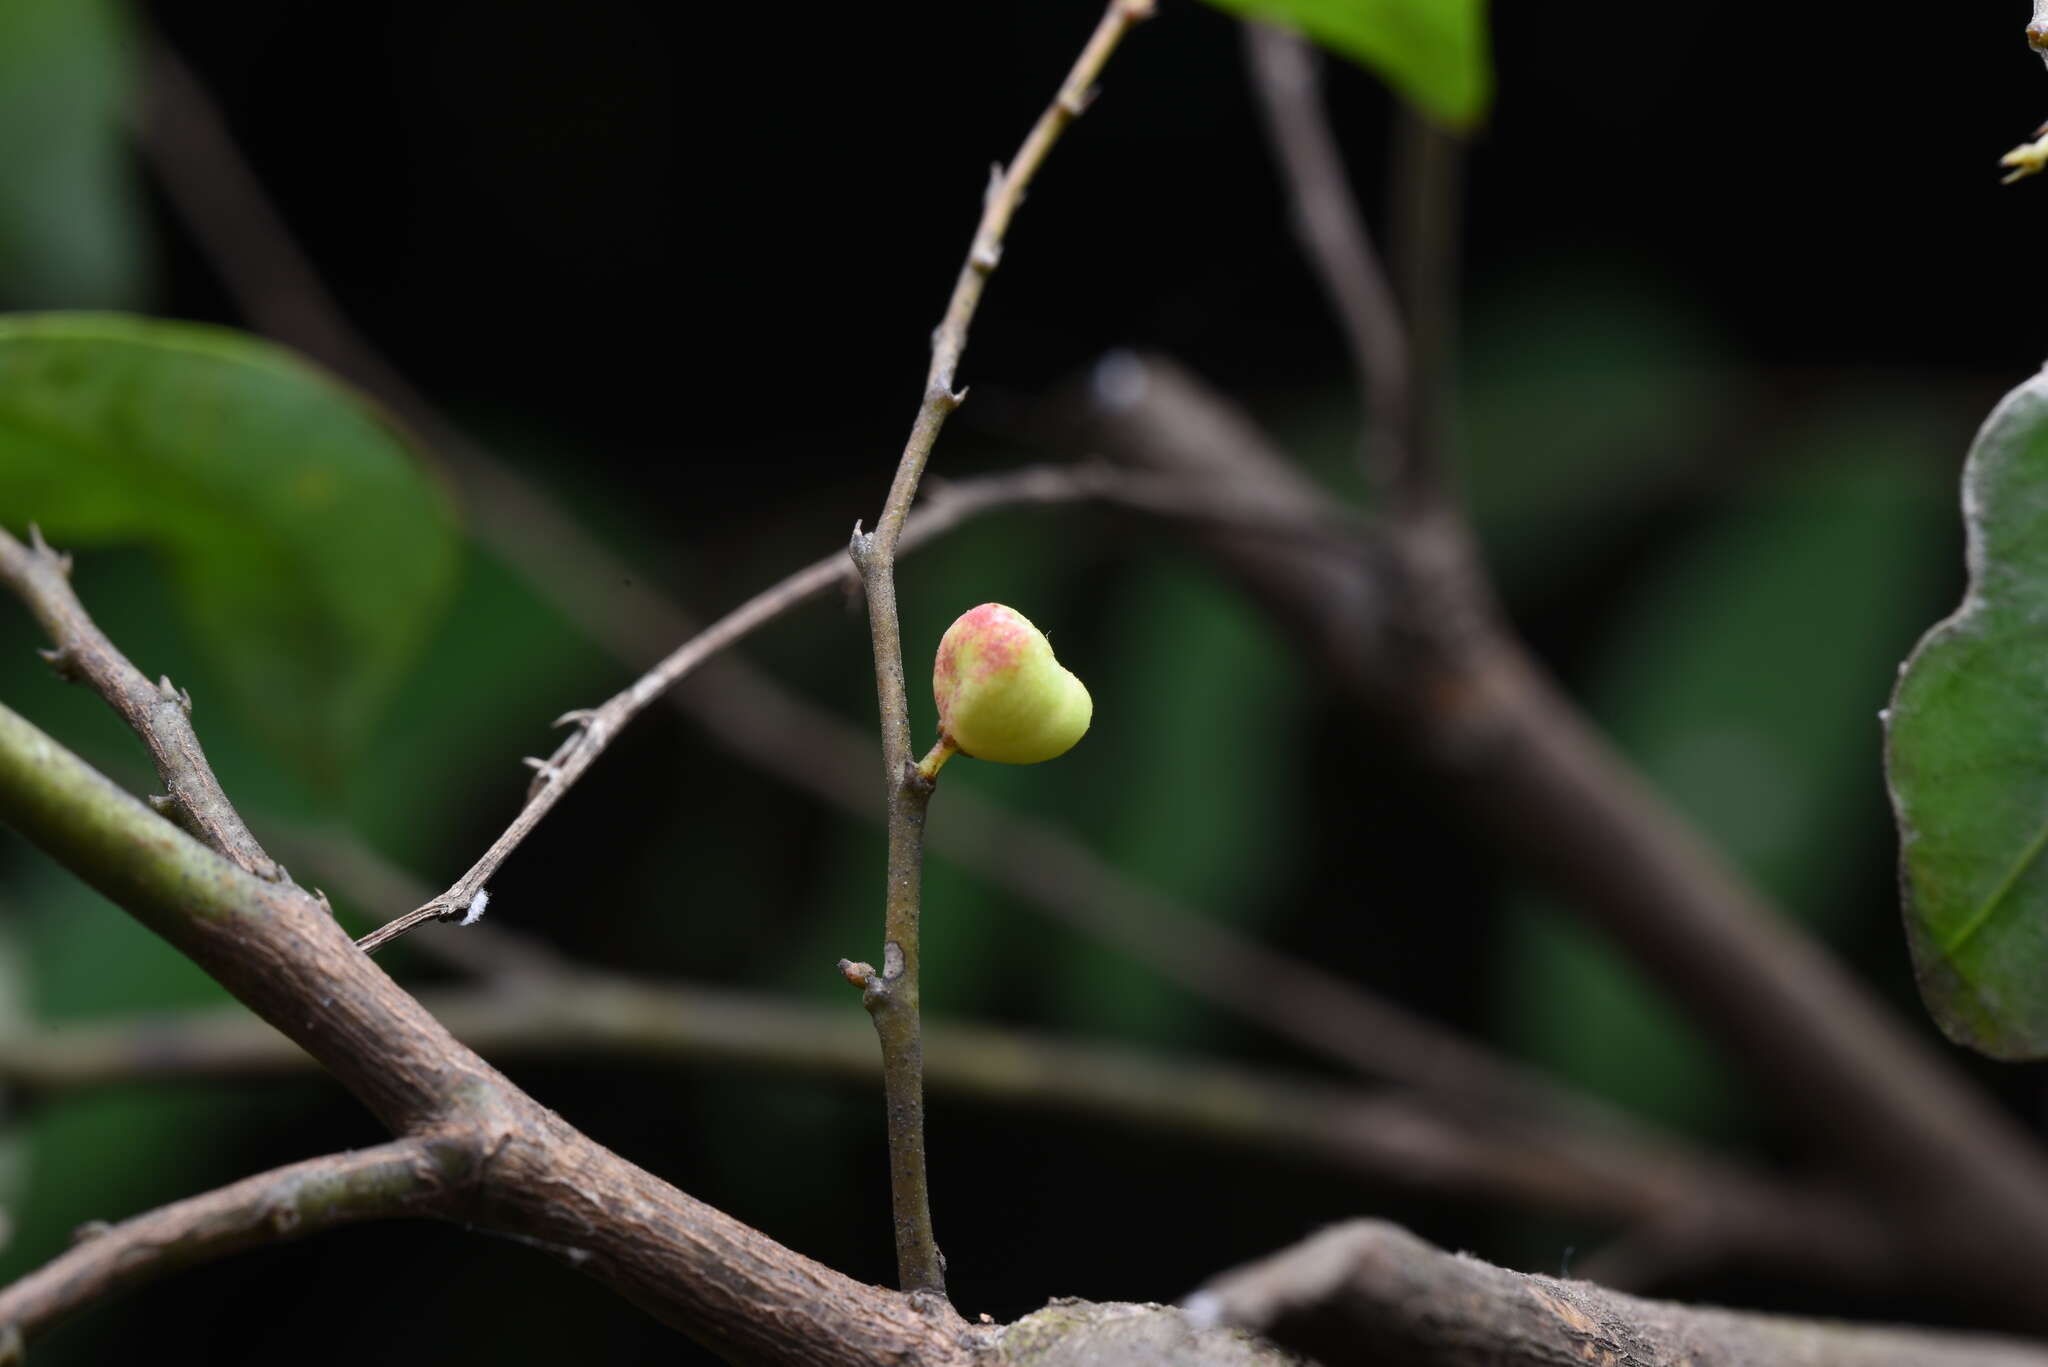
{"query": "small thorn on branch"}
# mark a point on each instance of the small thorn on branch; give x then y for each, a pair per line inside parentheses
(181, 697)
(43, 550)
(63, 662)
(545, 772)
(860, 547)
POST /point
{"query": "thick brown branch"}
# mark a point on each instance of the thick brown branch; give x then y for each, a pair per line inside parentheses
(158, 713)
(1972, 1188)
(407, 1178)
(1367, 1294)
(278, 951)
(270, 944)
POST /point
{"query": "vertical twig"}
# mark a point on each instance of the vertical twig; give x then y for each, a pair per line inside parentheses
(1398, 332)
(1426, 210)
(891, 996)
(1337, 245)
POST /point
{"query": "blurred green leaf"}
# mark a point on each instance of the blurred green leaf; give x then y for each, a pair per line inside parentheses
(1744, 683)
(1564, 446)
(1197, 694)
(310, 551)
(1433, 52)
(70, 214)
(1968, 756)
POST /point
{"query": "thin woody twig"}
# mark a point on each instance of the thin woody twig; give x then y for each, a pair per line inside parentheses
(597, 727)
(1428, 206)
(407, 1178)
(160, 714)
(1334, 237)
(342, 860)
(891, 996)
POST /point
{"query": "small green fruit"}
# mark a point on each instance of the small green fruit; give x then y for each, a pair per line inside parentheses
(1001, 694)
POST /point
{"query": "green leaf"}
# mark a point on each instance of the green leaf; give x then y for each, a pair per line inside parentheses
(309, 550)
(1967, 756)
(1433, 52)
(70, 212)
(1191, 659)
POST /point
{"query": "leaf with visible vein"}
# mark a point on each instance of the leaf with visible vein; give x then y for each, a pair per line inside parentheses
(1967, 756)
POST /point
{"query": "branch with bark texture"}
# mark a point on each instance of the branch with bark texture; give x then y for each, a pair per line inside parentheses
(403, 1179)
(158, 713)
(1370, 1293)
(281, 954)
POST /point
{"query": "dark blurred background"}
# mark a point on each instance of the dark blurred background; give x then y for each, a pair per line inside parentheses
(1739, 289)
